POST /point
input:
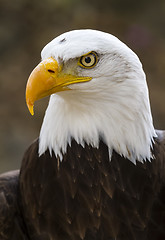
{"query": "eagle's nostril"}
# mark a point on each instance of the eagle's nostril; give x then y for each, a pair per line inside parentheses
(51, 71)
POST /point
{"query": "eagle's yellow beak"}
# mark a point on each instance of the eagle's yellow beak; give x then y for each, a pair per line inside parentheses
(47, 78)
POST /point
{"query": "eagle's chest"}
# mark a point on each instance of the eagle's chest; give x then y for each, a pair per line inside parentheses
(86, 196)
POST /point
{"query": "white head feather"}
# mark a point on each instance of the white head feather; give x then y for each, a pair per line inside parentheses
(113, 106)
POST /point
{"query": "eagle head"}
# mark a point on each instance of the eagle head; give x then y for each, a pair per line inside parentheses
(98, 91)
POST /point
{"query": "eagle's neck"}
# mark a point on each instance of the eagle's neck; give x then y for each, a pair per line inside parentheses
(123, 125)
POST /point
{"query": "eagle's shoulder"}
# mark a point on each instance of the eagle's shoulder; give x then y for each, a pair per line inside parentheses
(160, 141)
(11, 223)
(159, 153)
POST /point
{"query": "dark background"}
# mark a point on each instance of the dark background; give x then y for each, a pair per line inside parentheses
(26, 26)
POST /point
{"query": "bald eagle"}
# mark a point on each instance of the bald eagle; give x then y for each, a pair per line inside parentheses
(97, 170)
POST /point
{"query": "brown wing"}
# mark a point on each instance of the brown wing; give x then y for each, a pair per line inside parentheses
(11, 223)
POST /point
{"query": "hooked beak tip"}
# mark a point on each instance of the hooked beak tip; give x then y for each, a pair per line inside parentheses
(31, 108)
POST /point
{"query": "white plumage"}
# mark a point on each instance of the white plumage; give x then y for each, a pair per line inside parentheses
(113, 106)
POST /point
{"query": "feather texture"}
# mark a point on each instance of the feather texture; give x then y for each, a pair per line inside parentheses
(87, 197)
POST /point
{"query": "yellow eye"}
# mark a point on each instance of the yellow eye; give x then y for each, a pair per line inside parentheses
(88, 61)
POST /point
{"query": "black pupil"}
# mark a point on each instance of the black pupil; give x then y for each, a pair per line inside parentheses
(87, 59)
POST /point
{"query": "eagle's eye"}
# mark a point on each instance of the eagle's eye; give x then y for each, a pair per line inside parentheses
(88, 60)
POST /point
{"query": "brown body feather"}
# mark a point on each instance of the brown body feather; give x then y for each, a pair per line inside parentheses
(86, 196)
(12, 226)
